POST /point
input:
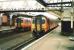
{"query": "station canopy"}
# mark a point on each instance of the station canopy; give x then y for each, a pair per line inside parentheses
(20, 5)
(34, 4)
(31, 4)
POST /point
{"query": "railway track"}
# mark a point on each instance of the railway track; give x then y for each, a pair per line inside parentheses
(9, 42)
(21, 45)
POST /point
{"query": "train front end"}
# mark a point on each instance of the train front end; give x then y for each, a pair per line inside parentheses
(38, 26)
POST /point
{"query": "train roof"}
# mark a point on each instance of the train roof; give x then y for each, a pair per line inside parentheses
(23, 15)
(46, 14)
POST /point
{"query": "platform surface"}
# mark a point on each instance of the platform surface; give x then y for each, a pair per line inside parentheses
(52, 41)
(6, 28)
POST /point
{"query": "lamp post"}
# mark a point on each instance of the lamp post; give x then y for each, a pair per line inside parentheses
(72, 17)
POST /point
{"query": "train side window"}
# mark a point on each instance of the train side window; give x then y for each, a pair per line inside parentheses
(21, 21)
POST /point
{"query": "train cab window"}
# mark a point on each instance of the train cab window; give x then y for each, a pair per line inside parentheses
(43, 21)
(39, 21)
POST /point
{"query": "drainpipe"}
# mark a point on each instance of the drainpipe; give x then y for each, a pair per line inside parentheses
(11, 20)
(72, 17)
(1, 19)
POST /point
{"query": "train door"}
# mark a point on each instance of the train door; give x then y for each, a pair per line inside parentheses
(38, 26)
(41, 24)
(38, 23)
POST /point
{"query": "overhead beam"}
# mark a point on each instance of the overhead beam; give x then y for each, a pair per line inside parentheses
(57, 6)
(53, 10)
(59, 3)
(1, 11)
(53, 4)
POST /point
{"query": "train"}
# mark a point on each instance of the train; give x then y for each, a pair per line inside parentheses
(42, 24)
(39, 25)
(23, 23)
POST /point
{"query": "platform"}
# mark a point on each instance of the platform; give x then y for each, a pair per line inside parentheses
(6, 28)
(52, 41)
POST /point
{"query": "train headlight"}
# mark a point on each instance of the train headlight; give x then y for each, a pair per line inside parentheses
(44, 26)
